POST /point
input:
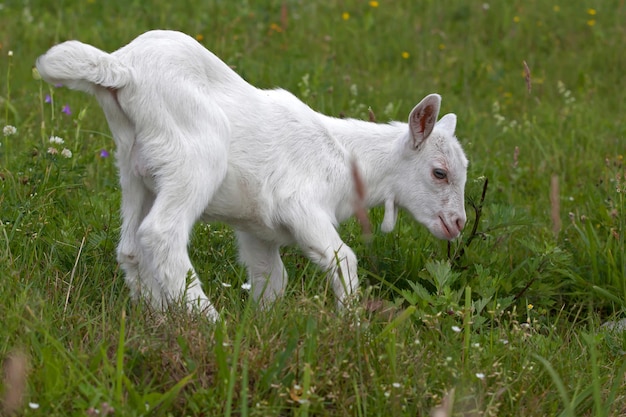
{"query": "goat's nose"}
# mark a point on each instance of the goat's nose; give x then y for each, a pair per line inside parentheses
(460, 223)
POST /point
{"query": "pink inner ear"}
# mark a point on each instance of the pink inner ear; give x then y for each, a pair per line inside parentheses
(427, 117)
(422, 123)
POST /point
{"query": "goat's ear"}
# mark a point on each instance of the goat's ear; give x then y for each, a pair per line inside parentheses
(448, 123)
(423, 118)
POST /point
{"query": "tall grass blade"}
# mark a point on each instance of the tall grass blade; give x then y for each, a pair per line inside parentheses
(556, 379)
(395, 323)
(119, 361)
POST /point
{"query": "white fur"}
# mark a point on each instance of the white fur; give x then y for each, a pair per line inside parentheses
(196, 142)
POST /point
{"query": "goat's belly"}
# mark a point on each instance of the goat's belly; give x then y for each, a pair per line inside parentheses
(270, 233)
(247, 215)
(242, 204)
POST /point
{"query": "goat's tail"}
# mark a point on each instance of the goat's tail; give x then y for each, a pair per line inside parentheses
(82, 67)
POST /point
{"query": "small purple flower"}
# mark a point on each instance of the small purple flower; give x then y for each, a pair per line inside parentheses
(66, 109)
(48, 99)
(59, 85)
(104, 153)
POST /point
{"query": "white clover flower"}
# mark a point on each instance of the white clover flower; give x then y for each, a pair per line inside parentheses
(66, 153)
(246, 286)
(33, 406)
(480, 375)
(56, 140)
(52, 151)
(396, 385)
(456, 329)
(9, 130)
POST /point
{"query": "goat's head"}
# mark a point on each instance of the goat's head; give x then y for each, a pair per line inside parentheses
(431, 172)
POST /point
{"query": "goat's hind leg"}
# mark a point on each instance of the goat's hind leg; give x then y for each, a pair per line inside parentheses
(163, 237)
(266, 271)
(136, 202)
(185, 186)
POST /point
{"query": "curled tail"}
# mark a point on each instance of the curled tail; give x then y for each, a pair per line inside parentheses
(82, 67)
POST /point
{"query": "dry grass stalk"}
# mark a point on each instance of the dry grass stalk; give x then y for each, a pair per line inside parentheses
(284, 16)
(14, 382)
(371, 115)
(527, 77)
(555, 204)
(71, 284)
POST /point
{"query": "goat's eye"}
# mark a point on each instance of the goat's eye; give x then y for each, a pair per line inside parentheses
(440, 174)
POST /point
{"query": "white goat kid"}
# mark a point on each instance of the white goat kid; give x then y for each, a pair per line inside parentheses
(196, 142)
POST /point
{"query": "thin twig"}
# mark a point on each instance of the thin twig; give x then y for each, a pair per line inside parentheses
(526, 287)
(478, 210)
(532, 280)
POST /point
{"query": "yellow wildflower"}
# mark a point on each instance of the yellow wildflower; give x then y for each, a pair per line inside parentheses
(274, 27)
(345, 15)
(405, 55)
(373, 3)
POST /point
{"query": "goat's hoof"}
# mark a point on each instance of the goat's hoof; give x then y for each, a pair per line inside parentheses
(211, 314)
(205, 307)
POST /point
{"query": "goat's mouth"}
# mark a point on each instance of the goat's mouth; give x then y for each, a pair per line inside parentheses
(448, 233)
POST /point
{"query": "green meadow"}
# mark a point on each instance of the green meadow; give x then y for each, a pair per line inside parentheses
(505, 321)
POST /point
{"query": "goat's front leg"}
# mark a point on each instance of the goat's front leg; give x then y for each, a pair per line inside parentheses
(320, 242)
(266, 271)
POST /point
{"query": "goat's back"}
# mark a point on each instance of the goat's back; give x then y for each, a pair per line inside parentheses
(173, 56)
(180, 95)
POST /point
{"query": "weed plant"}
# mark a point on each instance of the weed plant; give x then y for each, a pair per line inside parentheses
(504, 322)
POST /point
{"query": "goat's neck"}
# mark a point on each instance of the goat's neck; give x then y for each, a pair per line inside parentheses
(374, 147)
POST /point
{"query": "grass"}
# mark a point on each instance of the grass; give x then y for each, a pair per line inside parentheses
(504, 322)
